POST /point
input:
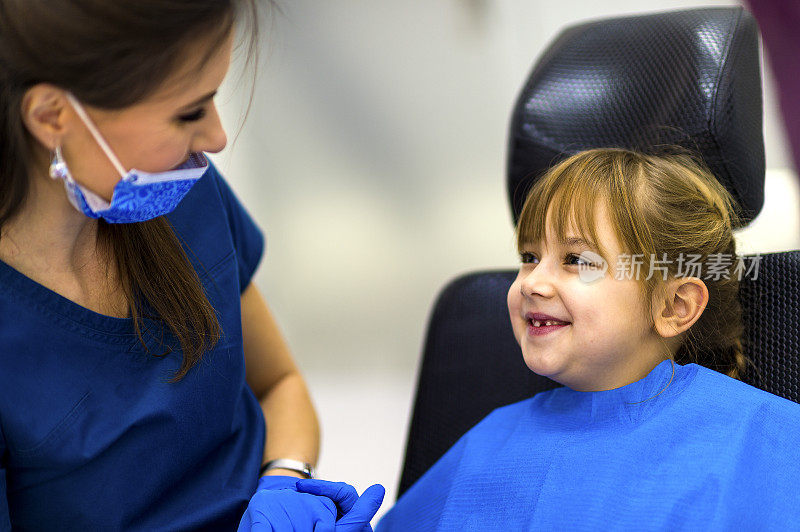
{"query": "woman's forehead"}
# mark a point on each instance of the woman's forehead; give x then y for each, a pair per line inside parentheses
(197, 76)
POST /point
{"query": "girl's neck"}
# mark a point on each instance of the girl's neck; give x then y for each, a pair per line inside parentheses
(605, 377)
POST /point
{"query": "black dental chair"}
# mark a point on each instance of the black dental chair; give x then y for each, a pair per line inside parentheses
(688, 78)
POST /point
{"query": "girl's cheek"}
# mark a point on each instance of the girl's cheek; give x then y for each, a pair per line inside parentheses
(515, 303)
(513, 298)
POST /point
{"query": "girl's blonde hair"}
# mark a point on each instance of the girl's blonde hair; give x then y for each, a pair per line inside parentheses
(664, 207)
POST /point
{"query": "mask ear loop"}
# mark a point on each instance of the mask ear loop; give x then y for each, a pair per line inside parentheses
(96, 134)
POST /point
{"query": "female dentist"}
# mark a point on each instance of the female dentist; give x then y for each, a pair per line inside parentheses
(139, 365)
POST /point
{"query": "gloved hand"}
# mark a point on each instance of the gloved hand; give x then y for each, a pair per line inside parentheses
(354, 512)
(286, 510)
(277, 482)
(287, 504)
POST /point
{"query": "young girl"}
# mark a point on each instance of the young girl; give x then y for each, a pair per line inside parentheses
(652, 429)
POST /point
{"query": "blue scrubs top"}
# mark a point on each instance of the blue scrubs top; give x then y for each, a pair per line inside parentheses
(92, 434)
(702, 452)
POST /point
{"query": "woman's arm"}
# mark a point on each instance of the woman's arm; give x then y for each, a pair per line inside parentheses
(293, 429)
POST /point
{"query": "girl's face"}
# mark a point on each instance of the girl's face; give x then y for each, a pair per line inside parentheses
(587, 334)
(156, 134)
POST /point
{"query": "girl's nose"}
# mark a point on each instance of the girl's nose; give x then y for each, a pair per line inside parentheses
(212, 137)
(538, 281)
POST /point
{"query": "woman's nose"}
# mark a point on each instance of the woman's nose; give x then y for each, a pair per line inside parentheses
(212, 137)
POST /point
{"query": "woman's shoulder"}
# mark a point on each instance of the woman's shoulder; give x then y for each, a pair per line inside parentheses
(203, 199)
(214, 224)
(211, 197)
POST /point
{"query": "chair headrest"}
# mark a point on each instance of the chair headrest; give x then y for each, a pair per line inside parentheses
(688, 78)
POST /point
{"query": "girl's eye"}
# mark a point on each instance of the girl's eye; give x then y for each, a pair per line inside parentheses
(579, 260)
(193, 117)
(527, 257)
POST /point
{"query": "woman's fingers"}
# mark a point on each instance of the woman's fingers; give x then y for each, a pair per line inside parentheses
(362, 511)
(344, 495)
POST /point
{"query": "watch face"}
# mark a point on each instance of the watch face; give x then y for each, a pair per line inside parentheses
(304, 468)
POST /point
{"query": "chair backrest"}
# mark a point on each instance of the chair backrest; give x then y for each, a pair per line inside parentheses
(687, 77)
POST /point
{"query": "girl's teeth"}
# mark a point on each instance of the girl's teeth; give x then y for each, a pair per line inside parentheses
(546, 323)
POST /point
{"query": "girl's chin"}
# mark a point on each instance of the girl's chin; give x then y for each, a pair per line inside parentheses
(542, 366)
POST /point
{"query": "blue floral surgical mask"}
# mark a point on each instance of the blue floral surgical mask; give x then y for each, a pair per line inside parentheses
(139, 195)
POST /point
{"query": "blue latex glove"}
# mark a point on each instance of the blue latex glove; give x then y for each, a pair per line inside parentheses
(277, 482)
(286, 510)
(354, 512)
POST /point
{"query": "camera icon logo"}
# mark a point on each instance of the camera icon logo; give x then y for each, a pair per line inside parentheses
(592, 267)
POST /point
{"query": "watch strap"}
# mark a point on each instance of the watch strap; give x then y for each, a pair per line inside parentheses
(304, 468)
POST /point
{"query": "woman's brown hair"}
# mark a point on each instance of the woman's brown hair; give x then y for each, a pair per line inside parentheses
(112, 54)
(666, 207)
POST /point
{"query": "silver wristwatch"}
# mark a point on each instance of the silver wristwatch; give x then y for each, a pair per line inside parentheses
(304, 468)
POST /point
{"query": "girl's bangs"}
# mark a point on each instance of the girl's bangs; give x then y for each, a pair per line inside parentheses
(567, 198)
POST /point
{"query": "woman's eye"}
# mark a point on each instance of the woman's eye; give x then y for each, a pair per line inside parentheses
(193, 117)
(528, 258)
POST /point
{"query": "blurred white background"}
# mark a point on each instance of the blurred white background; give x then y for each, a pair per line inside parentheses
(373, 158)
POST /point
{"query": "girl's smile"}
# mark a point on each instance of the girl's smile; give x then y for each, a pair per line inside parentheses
(541, 324)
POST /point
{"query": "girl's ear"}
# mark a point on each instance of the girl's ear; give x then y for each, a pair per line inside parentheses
(682, 302)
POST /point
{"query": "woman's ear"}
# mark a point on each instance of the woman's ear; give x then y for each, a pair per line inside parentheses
(682, 302)
(43, 110)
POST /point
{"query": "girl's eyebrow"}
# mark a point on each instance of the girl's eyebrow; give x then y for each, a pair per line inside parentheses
(575, 241)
